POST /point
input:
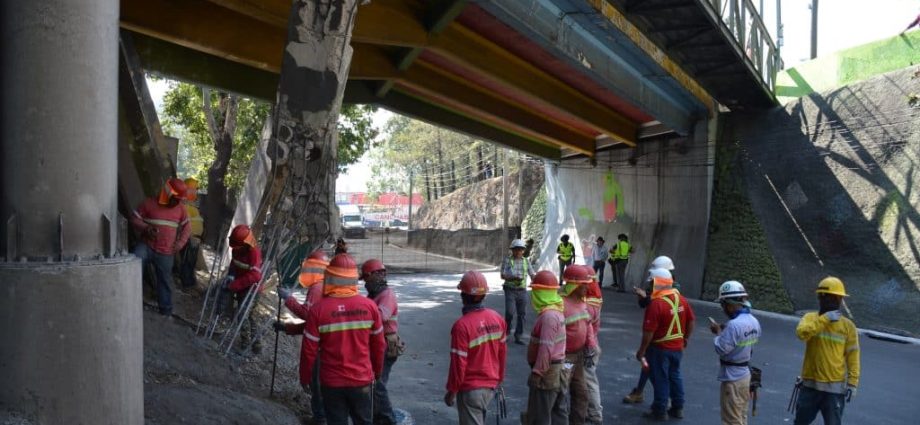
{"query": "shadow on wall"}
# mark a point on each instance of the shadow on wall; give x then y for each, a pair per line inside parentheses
(832, 178)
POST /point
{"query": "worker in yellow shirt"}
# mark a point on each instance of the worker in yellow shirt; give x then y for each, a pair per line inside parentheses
(830, 369)
(189, 256)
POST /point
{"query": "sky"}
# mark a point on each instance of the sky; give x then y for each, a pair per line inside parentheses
(841, 24)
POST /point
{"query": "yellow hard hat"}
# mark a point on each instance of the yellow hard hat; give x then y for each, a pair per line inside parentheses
(831, 285)
(191, 183)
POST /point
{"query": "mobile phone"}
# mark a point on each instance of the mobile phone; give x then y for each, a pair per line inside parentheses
(713, 321)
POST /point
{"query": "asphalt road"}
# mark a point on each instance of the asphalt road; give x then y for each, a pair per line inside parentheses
(429, 304)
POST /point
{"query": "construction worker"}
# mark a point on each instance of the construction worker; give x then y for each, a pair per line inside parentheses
(566, 252)
(515, 271)
(734, 343)
(163, 227)
(665, 331)
(245, 272)
(619, 259)
(311, 277)
(374, 275)
(345, 330)
(587, 250)
(830, 369)
(600, 259)
(189, 255)
(477, 353)
(341, 247)
(580, 341)
(595, 301)
(644, 298)
(547, 401)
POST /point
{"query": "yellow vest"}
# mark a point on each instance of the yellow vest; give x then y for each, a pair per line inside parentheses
(831, 350)
(620, 251)
(566, 251)
(195, 220)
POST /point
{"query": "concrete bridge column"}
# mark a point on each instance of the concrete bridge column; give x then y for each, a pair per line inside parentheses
(71, 336)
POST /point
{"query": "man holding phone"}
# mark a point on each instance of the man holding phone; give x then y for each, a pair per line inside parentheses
(734, 343)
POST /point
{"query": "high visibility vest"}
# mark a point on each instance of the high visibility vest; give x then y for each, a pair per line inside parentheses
(566, 251)
(674, 329)
(620, 251)
(523, 283)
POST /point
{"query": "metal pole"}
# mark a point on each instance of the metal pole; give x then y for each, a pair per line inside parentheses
(779, 25)
(504, 196)
(409, 220)
(814, 29)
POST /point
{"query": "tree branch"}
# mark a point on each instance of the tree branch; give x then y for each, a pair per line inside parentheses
(209, 115)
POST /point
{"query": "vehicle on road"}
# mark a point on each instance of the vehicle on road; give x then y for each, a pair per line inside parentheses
(352, 221)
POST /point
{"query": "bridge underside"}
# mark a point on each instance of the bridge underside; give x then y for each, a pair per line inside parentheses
(469, 66)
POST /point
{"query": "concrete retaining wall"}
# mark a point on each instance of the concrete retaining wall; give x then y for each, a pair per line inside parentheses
(486, 246)
(832, 178)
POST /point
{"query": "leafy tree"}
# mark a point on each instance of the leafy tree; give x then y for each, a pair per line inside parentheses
(217, 148)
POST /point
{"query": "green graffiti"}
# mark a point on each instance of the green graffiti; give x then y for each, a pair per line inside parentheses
(614, 204)
(586, 213)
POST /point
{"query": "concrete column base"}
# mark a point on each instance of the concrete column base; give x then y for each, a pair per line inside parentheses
(71, 342)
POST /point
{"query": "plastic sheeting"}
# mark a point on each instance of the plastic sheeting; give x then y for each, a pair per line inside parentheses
(661, 203)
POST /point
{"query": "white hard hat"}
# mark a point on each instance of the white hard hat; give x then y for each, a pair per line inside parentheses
(662, 262)
(659, 273)
(731, 289)
(517, 243)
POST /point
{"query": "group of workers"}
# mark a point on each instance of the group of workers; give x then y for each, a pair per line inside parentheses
(350, 342)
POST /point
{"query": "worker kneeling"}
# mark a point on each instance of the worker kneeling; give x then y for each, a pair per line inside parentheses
(547, 403)
(477, 353)
(346, 330)
(734, 343)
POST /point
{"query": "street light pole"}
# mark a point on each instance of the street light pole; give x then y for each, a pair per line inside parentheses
(814, 29)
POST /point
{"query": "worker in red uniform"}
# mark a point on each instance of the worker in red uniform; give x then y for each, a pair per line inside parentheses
(374, 275)
(580, 341)
(345, 328)
(163, 227)
(595, 301)
(311, 277)
(245, 273)
(477, 353)
(665, 331)
(547, 402)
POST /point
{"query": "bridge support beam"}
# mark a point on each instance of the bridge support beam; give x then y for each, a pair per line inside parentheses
(70, 304)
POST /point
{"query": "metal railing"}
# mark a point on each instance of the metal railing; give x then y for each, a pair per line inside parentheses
(749, 35)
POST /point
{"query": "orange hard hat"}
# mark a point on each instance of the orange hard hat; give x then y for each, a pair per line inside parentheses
(371, 266)
(174, 188)
(341, 271)
(545, 279)
(191, 192)
(473, 283)
(239, 235)
(577, 274)
(313, 268)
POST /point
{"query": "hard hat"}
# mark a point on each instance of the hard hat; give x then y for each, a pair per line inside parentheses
(191, 192)
(517, 243)
(174, 188)
(239, 235)
(341, 271)
(659, 273)
(191, 183)
(577, 274)
(545, 279)
(319, 255)
(662, 262)
(831, 285)
(371, 266)
(731, 289)
(473, 283)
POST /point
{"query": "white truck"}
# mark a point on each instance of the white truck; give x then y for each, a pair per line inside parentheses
(352, 221)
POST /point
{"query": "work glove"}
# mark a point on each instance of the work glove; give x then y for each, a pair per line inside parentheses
(284, 293)
(278, 326)
(833, 315)
(151, 232)
(851, 392)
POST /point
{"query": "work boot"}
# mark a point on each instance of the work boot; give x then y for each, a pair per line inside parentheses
(675, 412)
(518, 340)
(635, 397)
(655, 416)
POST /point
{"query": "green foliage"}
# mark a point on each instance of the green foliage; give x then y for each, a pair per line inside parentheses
(183, 117)
(413, 147)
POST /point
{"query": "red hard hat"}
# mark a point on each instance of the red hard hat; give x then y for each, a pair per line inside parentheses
(239, 234)
(545, 279)
(341, 271)
(319, 255)
(371, 266)
(577, 274)
(177, 188)
(473, 283)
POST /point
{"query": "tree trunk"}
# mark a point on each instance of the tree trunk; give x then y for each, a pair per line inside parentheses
(427, 182)
(215, 209)
(314, 71)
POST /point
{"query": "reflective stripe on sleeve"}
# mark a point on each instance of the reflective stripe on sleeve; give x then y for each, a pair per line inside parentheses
(377, 331)
(458, 352)
(157, 222)
(311, 337)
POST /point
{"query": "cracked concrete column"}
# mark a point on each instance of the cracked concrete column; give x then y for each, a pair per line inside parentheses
(71, 336)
